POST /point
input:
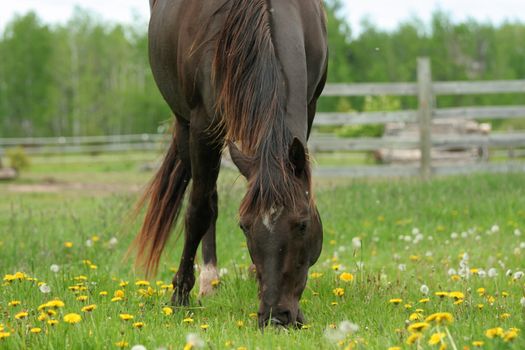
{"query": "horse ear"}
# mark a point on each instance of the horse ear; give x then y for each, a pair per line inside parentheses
(297, 156)
(242, 162)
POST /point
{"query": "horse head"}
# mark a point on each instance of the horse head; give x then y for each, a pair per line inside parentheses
(283, 240)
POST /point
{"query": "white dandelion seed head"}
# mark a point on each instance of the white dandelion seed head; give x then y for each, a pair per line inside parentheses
(453, 235)
(360, 265)
(342, 249)
(54, 268)
(517, 232)
(408, 239)
(517, 251)
(113, 241)
(464, 234)
(494, 229)
(375, 239)
(428, 254)
(424, 289)
(415, 231)
(430, 238)
(402, 267)
(477, 238)
(194, 340)
(522, 245)
(348, 327)
(492, 272)
(518, 275)
(451, 272)
(334, 335)
(508, 273)
(44, 288)
(522, 301)
(89, 243)
(223, 271)
(138, 347)
(482, 273)
(396, 256)
(356, 242)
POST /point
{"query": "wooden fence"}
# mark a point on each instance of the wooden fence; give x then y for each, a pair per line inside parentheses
(424, 89)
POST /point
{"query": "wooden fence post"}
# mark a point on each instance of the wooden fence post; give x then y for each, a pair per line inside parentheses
(426, 101)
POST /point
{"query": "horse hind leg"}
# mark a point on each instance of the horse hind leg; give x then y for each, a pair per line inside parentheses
(209, 276)
(205, 156)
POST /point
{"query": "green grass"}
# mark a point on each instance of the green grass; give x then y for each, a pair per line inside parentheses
(35, 226)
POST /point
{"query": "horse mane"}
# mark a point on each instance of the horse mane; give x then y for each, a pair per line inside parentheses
(251, 98)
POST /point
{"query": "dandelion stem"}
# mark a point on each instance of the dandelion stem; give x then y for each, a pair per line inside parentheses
(451, 339)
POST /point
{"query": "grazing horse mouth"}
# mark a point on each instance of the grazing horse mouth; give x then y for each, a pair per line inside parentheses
(281, 320)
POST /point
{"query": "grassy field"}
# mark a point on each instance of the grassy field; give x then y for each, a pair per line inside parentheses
(396, 243)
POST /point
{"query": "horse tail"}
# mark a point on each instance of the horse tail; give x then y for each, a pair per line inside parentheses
(165, 195)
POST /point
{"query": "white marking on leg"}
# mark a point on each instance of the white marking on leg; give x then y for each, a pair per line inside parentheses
(208, 278)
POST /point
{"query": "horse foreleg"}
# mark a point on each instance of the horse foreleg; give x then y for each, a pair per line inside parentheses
(205, 155)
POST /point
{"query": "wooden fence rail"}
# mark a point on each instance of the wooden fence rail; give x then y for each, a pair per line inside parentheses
(425, 90)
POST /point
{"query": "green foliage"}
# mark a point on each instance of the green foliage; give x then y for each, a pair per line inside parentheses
(89, 77)
(18, 158)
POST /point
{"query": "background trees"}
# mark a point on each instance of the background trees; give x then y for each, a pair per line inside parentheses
(89, 77)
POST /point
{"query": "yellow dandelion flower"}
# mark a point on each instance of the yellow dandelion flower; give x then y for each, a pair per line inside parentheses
(436, 338)
(142, 283)
(119, 293)
(123, 284)
(126, 317)
(35, 330)
(167, 310)
(413, 338)
(441, 294)
(306, 326)
(416, 316)
(51, 312)
(93, 267)
(215, 282)
(480, 306)
(72, 318)
(82, 298)
(115, 299)
(240, 324)
(418, 327)
(478, 343)
(424, 300)
(346, 277)
(21, 315)
(440, 317)
(138, 325)
(188, 320)
(456, 295)
(481, 291)
(339, 292)
(166, 287)
(14, 303)
(414, 258)
(510, 335)
(252, 315)
(204, 327)
(89, 308)
(42, 317)
(336, 267)
(57, 303)
(122, 344)
(334, 303)
(504, 316)
(491, 300)
(68, 244)
(395, 301)
(4, 335)
(394, 348)
(459, 302)
(455, 278)
(316, 275)
(52, 322)
(494, 332)
(504, 294)
(408, 306)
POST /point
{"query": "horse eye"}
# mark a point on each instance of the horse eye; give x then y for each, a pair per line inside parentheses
(302, 227)
(243, 228)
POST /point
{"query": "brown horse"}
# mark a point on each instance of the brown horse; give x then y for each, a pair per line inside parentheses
(246, 73)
